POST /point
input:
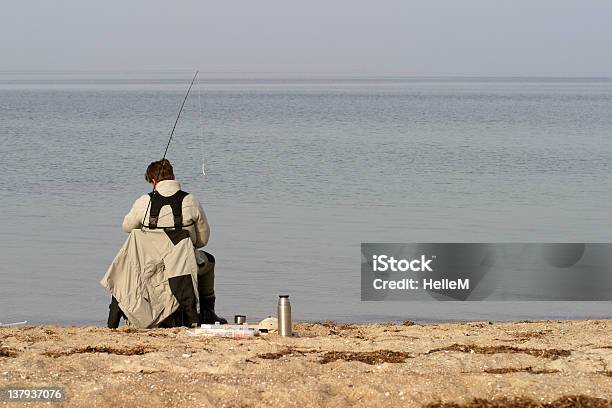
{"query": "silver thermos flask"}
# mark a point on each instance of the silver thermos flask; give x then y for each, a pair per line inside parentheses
(284, 315)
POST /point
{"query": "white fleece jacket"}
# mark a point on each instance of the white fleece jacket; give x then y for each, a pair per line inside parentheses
(192, 213)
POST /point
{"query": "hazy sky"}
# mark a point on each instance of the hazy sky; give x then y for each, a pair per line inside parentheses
(434, 37)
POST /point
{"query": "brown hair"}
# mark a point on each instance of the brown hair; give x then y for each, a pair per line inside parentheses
(159, 170)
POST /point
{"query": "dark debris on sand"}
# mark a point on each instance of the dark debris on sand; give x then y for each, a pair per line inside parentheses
(124, 351)
(368, 357)
(568, 401)
(290, 351)
(338, 326)
(524, 336)
(7, 352)
(552, 354)
(529, 369)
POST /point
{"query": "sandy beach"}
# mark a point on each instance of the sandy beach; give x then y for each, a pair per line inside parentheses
(564, 363)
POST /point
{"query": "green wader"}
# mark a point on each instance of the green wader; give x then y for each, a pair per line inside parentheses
(206, 288)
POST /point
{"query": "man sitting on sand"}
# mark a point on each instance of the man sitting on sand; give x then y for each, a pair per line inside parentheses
(168, 207)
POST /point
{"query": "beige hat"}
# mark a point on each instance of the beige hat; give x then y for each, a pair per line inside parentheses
(270, 324)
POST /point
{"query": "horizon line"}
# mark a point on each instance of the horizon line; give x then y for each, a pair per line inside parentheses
(319, 73)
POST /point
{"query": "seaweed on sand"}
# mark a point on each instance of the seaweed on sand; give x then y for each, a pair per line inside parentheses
(567, 401)
(124, 351)
(285, 352)
(7, 352)
(367, 357)
(529, 369)
(552, 354)
(528, 335)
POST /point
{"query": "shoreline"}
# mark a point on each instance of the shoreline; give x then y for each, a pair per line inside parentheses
(324, 364)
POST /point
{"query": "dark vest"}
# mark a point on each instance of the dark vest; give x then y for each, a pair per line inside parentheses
(175, 201)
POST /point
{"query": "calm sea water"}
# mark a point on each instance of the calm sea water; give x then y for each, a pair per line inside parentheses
(301, 170)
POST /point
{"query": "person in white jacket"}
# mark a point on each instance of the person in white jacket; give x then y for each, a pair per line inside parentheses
(164, 182)
(170, 208)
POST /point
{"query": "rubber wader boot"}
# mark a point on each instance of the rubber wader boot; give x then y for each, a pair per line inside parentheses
(207, 311)
(206, 289)
(114, 314)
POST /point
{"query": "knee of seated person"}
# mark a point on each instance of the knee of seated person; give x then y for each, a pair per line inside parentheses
(210, 257)
(206, 257)
(206, 269)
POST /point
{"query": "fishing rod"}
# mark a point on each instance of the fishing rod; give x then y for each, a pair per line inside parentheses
(176, 121)
(163, 162)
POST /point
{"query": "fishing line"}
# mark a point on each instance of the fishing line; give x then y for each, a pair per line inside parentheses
(168, 145)
(204, 173)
